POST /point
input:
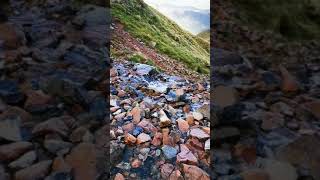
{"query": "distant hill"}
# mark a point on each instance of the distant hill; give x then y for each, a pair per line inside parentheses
(205, 35)
(147, 24)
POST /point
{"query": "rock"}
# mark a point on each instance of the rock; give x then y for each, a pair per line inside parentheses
(158, 87)
(142, 138)
(207, 145)
(176, 175)
(164, 120)
(59, 175)
(83, 160)
(255, 174)
(224, 96)
(271, 121)
(10, 92)
(78, 134)
(60, 165)
(193, 172)
(136, 113)
(198, 133)
(186, 156)
(223, 57)
(137, 131)
(130, 139)
(169, 152)
(157, 139)
(314, 108)
(205, 110)
(13, 112)
(37, 101)
(54, 146)
(36, 171)
(280, 170)
(183, 125)
(136, 163)
(14, 150)
(24, 161)
(10, 129)
(289, 83)
(143, 69)
(190, 119)
(53, 125)
(197, 116)
(128, 127)
(166, 170)
(225, 134)
(147, 126)
(302, 152)
(119, 176)
(10, 36)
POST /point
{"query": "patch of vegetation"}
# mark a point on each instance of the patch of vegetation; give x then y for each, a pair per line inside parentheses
(205, 35)
(293, 19)
(149, 25)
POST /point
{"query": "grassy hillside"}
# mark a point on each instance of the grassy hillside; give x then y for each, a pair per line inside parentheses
(205, 35)
(167, 37)
(294, 19)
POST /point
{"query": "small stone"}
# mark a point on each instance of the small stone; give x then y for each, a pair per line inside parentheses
(142, 138)
(289, 83)
(198, 133)
(190, 119)
(119, 176)
(14, 150)
(136, 163)
(128, 127)
(166, 170)
(164, 120)
(10, 92)
(36, 171)
(255, 174)
(176, 175)
(169, 152)
(194, 172)
(280, 170)
(186, 156)
(53, 125)
(10, 129)
(157, 139)
(183, 125)
(137, 131)
(197, 116)
(24, 161)
(60, 165)
(37, 101)
(224, 96)
(54, 146)
(130, 139)
(136, 113)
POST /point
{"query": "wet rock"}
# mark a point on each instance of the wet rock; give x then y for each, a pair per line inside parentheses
(142, 138)
(194, 172)
(10, 129)
(53, 125)
(224, 96)
(14, 150)
(36, 171)
(83, 160)
(10, 92)
(158, 87)
(198, 133)
(169, 151)
(24, 161)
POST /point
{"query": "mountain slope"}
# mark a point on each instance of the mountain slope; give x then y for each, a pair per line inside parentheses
(205, 35)
(164, 35)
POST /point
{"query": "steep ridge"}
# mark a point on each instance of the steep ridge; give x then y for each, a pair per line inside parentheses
(265, 100)
(205, 35)
(157, 31)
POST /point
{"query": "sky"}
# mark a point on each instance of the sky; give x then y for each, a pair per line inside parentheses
(191, 15)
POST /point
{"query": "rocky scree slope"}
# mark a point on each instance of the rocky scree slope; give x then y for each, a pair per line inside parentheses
(160, 125)
(53, 83)
(157, 31)
(264, 103)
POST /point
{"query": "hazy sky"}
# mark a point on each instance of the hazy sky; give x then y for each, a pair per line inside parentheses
(191, 15)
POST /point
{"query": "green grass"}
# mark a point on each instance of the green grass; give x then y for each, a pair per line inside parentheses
(205, 35)
(149, 25)
(293, 19)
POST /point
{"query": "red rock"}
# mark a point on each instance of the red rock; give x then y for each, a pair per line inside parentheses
(166, 170)
(186, 108)
(193, 172)
(83, 160)
(36, 171)
(119, 176)
(176, 175)
(157, 139)
(130, 139)
(200, 87)
(136, 163)
(190, 119)
(36, 100)
(198, 133)
(289, 83)
(255, 174)
(10, 36)
(147, 126)
(59, 165)
(128, 127)
(136, 113)
(166, 139)
(186, 156)
(113, 72)
(12, 151)
(142, 138)
(224, 96)
(53, 125)
(121, 93)
(183, 125)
